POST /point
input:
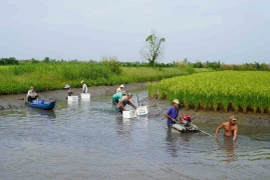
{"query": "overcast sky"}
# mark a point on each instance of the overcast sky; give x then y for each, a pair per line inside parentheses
(229, 31)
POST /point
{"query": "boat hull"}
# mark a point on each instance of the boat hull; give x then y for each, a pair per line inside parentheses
(45, 106)
(183, 129)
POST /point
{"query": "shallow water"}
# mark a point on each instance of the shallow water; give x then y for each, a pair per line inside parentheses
(86, 140)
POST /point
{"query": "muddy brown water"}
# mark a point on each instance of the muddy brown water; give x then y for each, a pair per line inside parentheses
(86, 140)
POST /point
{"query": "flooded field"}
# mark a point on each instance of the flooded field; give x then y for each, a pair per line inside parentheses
(86, 140)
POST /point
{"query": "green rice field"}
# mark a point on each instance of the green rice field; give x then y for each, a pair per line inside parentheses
(240, 91)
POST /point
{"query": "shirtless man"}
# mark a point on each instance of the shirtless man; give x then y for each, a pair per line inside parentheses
(230, 128)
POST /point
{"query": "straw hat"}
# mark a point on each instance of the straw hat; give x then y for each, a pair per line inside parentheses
(176, 101)
(67, 86)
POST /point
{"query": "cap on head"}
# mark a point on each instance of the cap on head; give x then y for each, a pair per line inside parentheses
(124, 93)
(129, 94)
(176, 101)
(67, 86)
(233, 118)
(32, 87)
(82, 81)
(122, 86)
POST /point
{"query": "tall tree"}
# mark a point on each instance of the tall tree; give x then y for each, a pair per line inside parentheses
(153, 49)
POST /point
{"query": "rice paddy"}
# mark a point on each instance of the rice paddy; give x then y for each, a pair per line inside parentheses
(239, 91)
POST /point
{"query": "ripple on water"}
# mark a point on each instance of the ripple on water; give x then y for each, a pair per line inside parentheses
(85, 140)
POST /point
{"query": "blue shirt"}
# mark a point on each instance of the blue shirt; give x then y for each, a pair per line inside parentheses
(172, 112)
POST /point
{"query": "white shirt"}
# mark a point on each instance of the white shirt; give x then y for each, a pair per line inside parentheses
(31, 93)
(84, 88)
(119, 89)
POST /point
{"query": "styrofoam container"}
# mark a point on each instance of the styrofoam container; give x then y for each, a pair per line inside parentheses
(85, 97)
(142, 110)
(129, 114)
(72, 98)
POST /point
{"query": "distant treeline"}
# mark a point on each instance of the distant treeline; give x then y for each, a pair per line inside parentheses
(243, 67)
(215, 65)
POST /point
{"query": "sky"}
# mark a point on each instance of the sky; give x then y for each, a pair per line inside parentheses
(229, 31)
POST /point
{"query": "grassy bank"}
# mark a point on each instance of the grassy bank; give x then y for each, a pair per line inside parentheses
(54, 75)
(240, 91)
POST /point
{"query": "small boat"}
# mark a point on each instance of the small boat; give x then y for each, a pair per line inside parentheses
(182, 128)
(185, 125)
(41, 104)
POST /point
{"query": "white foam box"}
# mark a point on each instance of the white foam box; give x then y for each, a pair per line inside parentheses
(85, 97)
(73, 98)
(129, 114)
(142, 110)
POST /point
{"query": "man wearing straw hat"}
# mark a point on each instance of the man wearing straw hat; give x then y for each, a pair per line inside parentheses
(230, 128)
(70, 91)
(84, 87)
(120, 88)
(172, 113)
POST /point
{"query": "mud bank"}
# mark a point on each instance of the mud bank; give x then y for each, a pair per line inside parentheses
(13, 101)
(157, 108)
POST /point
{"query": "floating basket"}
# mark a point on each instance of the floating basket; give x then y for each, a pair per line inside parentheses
(85, 97)
(129, 114)
(72, 98)
(142, 110)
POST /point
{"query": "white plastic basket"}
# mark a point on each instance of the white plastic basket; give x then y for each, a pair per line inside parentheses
(73, 98)
(85, 97)
(129, 114)
(142, 110)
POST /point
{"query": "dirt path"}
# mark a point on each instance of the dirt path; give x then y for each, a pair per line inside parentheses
(157, 108)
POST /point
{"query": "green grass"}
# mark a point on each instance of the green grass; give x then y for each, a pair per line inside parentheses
(54, 75)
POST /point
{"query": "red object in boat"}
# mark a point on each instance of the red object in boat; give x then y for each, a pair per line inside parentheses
(186, 117)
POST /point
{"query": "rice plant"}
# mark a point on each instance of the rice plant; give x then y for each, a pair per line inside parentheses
(234, 90)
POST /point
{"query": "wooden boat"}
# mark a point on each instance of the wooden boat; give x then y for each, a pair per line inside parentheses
(41, 104)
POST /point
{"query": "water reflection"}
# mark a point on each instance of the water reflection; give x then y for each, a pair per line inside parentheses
(44, 113)
(229, 147)
(176, 142)
(123, 126)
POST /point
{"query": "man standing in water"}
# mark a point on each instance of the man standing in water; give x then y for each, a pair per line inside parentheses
(172, 113)
(230, 128)
(84, 87)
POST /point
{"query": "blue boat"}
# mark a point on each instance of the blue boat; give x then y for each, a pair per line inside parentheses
(41, 104)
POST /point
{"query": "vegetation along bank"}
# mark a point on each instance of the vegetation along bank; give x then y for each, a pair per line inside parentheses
(54, 75)
(240, 91)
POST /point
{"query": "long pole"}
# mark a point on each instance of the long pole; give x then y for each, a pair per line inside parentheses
(138, 101)
(205, 133)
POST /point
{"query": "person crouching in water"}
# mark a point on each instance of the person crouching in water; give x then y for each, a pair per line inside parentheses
(123, 102)
(117, 97)
(172, 113)
(70, 91)
(32, 95)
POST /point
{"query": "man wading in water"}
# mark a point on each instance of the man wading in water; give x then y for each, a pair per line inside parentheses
(230, 128)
